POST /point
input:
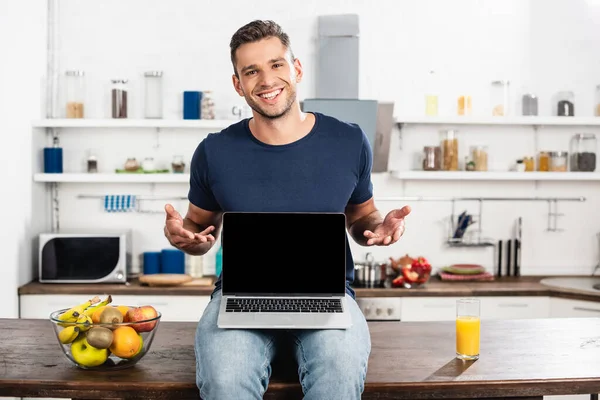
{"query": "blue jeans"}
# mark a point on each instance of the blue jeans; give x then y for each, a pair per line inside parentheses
(236, 363)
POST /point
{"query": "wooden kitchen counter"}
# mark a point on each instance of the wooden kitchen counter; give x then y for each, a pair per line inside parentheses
(506, 286)
(409, 360)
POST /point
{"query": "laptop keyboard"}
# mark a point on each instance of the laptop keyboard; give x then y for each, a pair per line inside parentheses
(284, 305)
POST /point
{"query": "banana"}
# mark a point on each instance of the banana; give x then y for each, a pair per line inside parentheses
(84, 322)
(73, 313)
(68, 334)
(90, 310)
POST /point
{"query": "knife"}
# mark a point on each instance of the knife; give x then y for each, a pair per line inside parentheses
(499, 271)
(518, 251)
(508, 256)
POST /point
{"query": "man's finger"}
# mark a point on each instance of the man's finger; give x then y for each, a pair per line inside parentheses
(172, 213)
(176, 230)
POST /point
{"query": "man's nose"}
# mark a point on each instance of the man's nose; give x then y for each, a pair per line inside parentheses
(267, 78)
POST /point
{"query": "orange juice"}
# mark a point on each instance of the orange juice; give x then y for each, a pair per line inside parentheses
(467, 337)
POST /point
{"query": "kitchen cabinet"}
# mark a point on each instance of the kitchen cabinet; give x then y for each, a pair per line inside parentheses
(569, 308)
(492, 307)
(173, 308)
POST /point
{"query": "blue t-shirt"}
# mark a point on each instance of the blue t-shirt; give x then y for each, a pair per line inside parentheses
(321, 172)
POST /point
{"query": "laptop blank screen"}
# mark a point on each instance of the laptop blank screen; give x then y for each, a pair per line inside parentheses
(284, 253)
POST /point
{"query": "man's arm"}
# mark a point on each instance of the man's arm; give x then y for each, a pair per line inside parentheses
(195, 234)
(362, 217)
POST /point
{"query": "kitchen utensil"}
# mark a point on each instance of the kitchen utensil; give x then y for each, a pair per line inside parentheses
(370, 273)
(464, 269)
(518, 252)
(499, 270)
(508, 257)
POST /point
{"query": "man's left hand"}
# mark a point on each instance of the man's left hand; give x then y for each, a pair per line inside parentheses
(390, 230)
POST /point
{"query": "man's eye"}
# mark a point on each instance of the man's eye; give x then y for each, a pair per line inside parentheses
(277, 65)
(250, 72)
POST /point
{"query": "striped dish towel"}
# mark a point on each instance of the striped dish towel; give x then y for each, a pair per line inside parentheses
(119, 203)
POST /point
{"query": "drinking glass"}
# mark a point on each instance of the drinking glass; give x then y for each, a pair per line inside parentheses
(467, 329)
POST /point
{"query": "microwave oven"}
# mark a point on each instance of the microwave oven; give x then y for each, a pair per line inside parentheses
(84, 257)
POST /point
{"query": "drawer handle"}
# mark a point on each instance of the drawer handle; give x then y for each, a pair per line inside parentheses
(586, 309)
(520, 305)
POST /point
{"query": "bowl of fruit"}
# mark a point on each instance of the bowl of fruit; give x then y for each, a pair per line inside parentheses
(99, 335)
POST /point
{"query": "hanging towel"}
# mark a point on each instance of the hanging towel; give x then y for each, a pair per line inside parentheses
(119, 203)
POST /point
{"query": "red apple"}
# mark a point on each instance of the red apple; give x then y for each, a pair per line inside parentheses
(142, 313)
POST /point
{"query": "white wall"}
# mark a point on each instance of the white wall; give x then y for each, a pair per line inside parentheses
(469, 42)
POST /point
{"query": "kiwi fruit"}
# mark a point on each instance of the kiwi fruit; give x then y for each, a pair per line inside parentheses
(100, 337)
(111, 315)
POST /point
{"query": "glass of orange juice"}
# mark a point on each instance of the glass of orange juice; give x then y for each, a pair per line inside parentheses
(467, 329)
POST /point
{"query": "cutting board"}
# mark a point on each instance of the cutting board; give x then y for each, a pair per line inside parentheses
(165, 279)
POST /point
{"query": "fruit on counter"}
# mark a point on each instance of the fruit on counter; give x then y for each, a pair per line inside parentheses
(123, 310)
(126, 342)
(110, 315)
(73, 313)
(91, 310)
(418, 272)
(68, 334)
(142, 313)
(398, 281)
(87, 355)
(100, 337)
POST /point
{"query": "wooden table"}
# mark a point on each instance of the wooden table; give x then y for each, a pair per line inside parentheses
(409, 360)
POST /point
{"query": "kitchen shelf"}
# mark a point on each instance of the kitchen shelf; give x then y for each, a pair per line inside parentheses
(113, 178)
(525, 121)
(215, 124)
(494, 176)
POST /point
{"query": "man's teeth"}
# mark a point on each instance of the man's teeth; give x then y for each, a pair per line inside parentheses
(271, 95)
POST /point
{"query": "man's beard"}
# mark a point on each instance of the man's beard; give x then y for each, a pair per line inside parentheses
(275, 114)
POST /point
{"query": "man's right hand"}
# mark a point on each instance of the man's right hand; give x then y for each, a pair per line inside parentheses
(181, 237)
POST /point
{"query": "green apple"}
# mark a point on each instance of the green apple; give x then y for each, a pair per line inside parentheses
(86, 355)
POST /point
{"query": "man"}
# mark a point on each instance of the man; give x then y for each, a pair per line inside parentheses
(281, 159)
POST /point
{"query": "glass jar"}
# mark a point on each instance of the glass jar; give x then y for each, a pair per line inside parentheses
(529, 164)
(464, 105)
(432, 158)
(597, 102)
(565, 106)
(119, 98)
(207, 105)
(148, 164)
(154, 94)
(75, 86)
(479, 156)
(431, 97)
(500, 97)
(178, 164)
(449, 150)
(92, 161)
(543, 161)
(583, 152)
(529, 104)
(558, 161)
(131, 165)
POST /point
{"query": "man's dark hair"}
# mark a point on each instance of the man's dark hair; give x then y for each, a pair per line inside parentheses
(255, 31)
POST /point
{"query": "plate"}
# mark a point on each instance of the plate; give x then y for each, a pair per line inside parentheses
(165, 279)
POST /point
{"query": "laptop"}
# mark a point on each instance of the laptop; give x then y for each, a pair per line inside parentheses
(283, 270)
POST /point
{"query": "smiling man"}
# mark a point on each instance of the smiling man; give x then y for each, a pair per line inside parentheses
(281, 159)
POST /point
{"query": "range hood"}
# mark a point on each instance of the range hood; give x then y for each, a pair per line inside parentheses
(337, 86)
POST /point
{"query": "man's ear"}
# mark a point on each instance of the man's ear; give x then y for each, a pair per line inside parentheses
(299, 70)
(237, 85)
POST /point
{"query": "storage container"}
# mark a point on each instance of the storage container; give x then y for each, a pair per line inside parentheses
(583, 152)
(565, 106)
(499, 97)
(432, 158)
(119, 98)
(75, 94)
(153, 101)
(449, 146)
(559, 161)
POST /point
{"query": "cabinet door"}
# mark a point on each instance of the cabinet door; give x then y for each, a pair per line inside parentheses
(569, 308)
(428, 308)
(514, 307)
(172, 308)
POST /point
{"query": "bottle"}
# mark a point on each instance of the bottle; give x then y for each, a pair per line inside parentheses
(219, 261)
(75, 85)
(431, 97)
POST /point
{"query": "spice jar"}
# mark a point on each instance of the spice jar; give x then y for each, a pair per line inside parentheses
(148, 164)
(75, 86)
(499, 97)
(597, 101)
(432, 158)
(92, 162)
(119, 98)
(464, 105)
(207, 105)
(178, 165)
(558, 161)
(479, 156)
(529, 104)
(431, 97)
(583, 152)
(566, 104)
(529, 164)
(449, 150)
(132, 165)
(543, 161)
(154, 94)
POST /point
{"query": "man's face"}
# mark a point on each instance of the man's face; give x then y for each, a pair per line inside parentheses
(267, 77)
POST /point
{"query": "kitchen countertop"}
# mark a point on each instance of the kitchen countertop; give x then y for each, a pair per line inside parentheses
(573, 287)
(409, 360)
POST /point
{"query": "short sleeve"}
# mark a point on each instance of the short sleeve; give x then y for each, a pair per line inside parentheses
(364, 187)
(200, 193)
